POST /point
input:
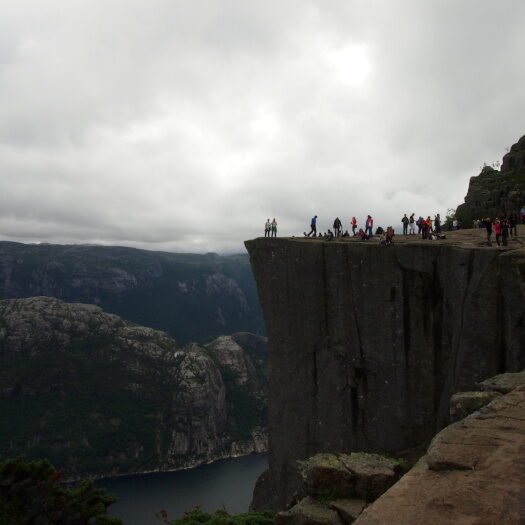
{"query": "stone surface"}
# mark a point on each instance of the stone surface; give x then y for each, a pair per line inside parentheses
(101, 396)
(326, 474)
(308, 512)
(474, 473)
(504, 383)
(348, 509)
(464, 403)
(373, 474)
(368, 344)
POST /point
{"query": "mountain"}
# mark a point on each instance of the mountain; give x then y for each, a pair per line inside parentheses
(101, 396)
(493, 191)
(192, 297)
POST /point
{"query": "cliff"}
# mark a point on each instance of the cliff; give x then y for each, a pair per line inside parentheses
(494, 192)
(100, 396)
(368, 343)
(192, 297)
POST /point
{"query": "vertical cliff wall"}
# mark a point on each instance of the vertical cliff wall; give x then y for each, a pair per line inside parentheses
(368, 343)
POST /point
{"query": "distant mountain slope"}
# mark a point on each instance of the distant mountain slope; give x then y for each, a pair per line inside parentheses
(192, 297)
(100, 396)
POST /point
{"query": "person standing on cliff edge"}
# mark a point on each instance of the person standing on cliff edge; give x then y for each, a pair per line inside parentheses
(337, 227)
(404, 220)
(369, 224)
(274, 228)
(267, 227)
(353, 222)
(313, 226)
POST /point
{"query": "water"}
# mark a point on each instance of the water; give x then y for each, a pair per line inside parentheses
(227, 483)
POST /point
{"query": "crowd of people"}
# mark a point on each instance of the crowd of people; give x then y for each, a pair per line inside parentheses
(429, 228)
(503, 227)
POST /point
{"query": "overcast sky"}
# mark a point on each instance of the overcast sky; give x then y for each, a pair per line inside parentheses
(183, 126)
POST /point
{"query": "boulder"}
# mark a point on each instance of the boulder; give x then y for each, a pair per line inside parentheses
(357, 474)
(374, 474)
(464, 403)
(308, 512)
(325, 474)
(504, 383)
(348, 509)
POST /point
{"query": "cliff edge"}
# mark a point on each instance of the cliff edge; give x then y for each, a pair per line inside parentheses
(368, 343)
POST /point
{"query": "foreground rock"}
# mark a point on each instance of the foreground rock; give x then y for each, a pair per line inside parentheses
(100, 396)
(343, 483)
(359, 475)
(463, 404)
(473, 473)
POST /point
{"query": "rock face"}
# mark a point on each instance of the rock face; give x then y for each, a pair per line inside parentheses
(368, 344)
(473, 473)
(192, 297)
(494, 192)
(100, 396)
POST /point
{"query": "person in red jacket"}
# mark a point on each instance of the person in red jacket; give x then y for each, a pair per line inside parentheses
(497, 231)
(354, 225)
(369, 224)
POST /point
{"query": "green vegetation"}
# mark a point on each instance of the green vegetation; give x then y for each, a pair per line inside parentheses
(76, 405)
(327, 497)
(196, 517)
(30, 492)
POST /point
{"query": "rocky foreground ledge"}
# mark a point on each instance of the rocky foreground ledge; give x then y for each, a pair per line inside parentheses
(473, 472)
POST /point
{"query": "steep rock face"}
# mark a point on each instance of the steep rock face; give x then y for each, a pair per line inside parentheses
(192, 297)
(494, 192)
(367, 343)
(101, 396)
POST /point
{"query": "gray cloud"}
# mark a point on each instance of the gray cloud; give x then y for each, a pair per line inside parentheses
(183, 126)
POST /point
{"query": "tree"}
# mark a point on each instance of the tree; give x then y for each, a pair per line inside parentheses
(451, 215)
(31, 492)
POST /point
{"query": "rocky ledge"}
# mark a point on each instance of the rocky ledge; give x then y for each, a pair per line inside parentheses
(473, 472)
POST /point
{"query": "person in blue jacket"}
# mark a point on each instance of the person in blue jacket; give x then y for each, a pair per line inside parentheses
(313, 226)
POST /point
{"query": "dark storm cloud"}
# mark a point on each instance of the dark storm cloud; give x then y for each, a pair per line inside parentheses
(183, 126)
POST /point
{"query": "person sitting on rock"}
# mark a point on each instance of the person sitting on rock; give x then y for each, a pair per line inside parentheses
(346, 234)
(389, 235)
(362, 235)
